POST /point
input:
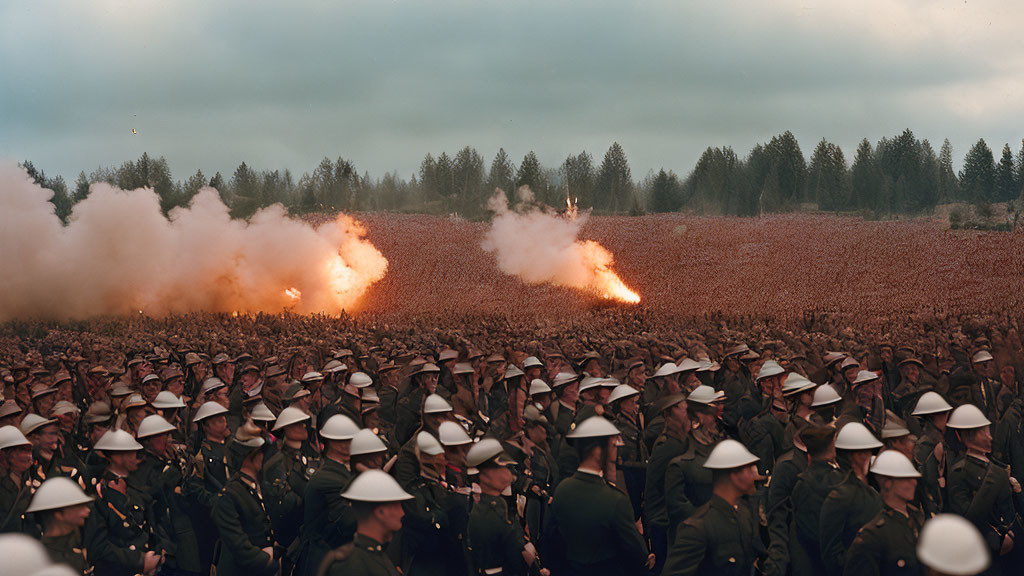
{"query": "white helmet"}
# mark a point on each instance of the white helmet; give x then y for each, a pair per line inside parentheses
(360, 380)
(825, 395)
(894, 464)
(64, 407)
(153, 425)
(366, 442)
(117, 441)
(290, 415)
(981, 356)
(666, 369)
(589, 382)
(770, 368)
(212, 383)
(796, 383)
(11, 437)
(448, 354)
(339, 427)
(166, 400)
(539, 386)
(375, 486)
(856, 436)
(207, 410)
(512, 371)
(260, 413)
(26, 556)
(312, 376)
(427, 444)
(704, 394)
(894, 429)
(621, 392)
(688, 365)
(931, 403)
(434, 404)
(484, 451)
(967, 417)
(729, 454)
(56, 493)
(563, 378)
(32, 422)
(865, 376)
(594, 427)
(951, 545)
(451, 434)
(532, 361)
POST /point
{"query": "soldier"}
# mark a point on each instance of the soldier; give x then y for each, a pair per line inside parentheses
(826, 399)
(367, 452)
(930, 450)
(721, 537)
(377, 505)
(985, 390)
(160, 475)
(284, 479)
(742, 397)
(778, 505)
(61, 507)
(674, 441)
(423, 384)
(118, 533)
(885, 545)
(540, 470)
(853, 502)
(388, 393)
(632, 456)
(47, 452)
(327, 520)
(981, 490)
(591, 528)
(435, 411)
(429, 545)
(809, 493)
(950, 545)
(246, 535)
(687, 482)
(495, 543)
(456, 443)
(15, 492)
(208, 475)
(25, 556)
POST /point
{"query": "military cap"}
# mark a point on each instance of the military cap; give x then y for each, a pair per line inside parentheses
(56, 493)
(153, 425)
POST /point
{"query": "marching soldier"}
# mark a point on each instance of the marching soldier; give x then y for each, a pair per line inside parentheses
(61, 508)
(673, 442)
(285, 475)
(377, 505)
(930, 451)
(632, 456)
(15, 492)
(687, 482)
(209, 474)
(246, 536)
(429, 544)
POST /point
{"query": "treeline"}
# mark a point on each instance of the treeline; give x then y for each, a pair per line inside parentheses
(898, 175)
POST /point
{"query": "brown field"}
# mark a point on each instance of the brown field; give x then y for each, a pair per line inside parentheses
(685, 266)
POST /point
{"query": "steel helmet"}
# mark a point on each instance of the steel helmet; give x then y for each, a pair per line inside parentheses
(429, 367)
(981, 356)
(865, 376)
(770, 368)
(894, 428)
(447, 354)
(967, 417)
(312, 376)
(134, 401)
(211, 384)
(332, 366)
(360, 380)
(894, 464)
(207, 410)
(427, 444)
(56, 493)
(688, 365)
(290, 415)
(796, 383)
(375, 486)
(532, 361)
(931, 403)
(153, 425)
(463, 368)
(539, 386)
(589, 382)
(64, 407)
(260, 413)
(366, 442)
(705, 395)
(166, 400)
(564, 378)
(952, 545)
(729, 454)
(117, 441)
(9, 407)
(594, 427)
(451, 434)
(32, 422)
(435, 404)
(856, 436)
(621, 392)
(339, 427)
(666, 369)
(486, 450)
(11, 437)
(825, 395)
(26, 556)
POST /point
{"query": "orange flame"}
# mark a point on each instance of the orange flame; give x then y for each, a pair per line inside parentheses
(293, 293)
(603, 279)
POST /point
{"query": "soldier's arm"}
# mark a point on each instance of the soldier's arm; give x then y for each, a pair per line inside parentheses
(865, 557)
(830, 533)
(632, 546)
(233, 537)
(100, 547)
(687, 552)
(676, 502)
(780, 513)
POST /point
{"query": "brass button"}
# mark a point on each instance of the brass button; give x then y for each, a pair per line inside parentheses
(732, 560)
(901, 563)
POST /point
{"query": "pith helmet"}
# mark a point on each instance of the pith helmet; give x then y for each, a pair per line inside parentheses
(375, 486)
(729, 454)
(894, 464)
(56, 493)
(951, 545)
(153, 425)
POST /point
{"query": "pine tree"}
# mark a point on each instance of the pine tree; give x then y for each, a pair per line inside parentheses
(469, 182)
(578, 174)
(665, 193)
(530, 174)
(614, 181)
(81, 188)
(864, 178)
(502, 175)
(1005, 177)
(977, 177)
(949, 187)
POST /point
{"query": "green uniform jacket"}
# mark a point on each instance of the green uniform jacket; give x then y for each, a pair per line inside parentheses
(849, 506)
(812, 487)
(117, 532)
(718, 540)
(285, 476)
(688, 484)
(494, 538)
(886, 546)
(327, 519)
(244, 530)
(779, 509)
(665, 449)
(68, 549)
(980, 491)
(13, 502)
(429, 542)
(592, 522)
(162, 480)
(364, 556)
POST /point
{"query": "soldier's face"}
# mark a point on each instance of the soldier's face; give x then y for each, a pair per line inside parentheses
(176, 386)
(19, 458)
(746, 479)
(904, 488)
(911, 373)
(296, 432)
(981, 440)
(984, 368)
(390, 515)
(75, 515)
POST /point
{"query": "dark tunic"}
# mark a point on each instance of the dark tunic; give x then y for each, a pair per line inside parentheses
(849, 506)
(494, 538)
(886, 546)
(364, 556)
(244, 528)
(718, 540)
(327, 521)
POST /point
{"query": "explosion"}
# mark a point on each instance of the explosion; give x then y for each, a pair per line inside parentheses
(119, 254)
(540, 247)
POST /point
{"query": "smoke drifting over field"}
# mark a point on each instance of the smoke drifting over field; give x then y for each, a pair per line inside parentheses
(539, 246)
(119, 254)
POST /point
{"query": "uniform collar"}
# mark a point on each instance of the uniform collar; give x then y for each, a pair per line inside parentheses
(364, 542)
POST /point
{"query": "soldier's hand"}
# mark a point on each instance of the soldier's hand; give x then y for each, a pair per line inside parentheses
(269, 551)
(1015, 485)
(545, 572)
(650, 561)
(1007, 545)
(150, 562)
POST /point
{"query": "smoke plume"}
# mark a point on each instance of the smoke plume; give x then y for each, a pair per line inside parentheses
(118, 254)
(540, 246)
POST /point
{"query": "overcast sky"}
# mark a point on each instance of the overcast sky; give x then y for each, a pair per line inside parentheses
(283, 84)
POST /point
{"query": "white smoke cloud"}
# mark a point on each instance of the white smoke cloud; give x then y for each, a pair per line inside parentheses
(540, 246)
(119, 254)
